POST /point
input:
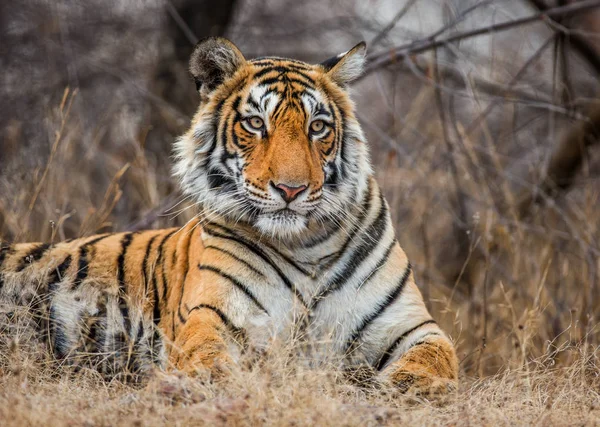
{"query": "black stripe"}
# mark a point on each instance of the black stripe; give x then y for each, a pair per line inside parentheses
(173, 325)
(251, 101)
(212, 135)
(424, 341)
(235, 282)
(381, 307)
(266, 93)
(123, 308)
(333, 179)
(385, 357)
(383, 260)
(229, 135)
(263, 61)
(165, 282)
(326, 231)
(156, 345)
(280, 109)
(136, 365)
(260, 253)
(342, 140)
(360, 220)
(219, 126)
(290, 261)
(163, 264)
(58, 273)
(237, 258)
(125, 242)
(145, 264)
(223, 121)
(240, 239)
(218, 180)
(140, 334)
(332, 145)
(185, 272)
(235, 330)
(271, 81)
(286, 258)
(32, 256)
(97, 333)
(156, 299)
(58, 338)
(283, 70)
(82, 270)
(373, 236)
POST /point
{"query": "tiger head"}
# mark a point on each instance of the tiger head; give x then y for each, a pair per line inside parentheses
(275, 142)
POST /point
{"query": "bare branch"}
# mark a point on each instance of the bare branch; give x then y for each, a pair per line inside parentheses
(185, 28)
(394, 55)
(576, 41)
(477, 121)
(392, 23)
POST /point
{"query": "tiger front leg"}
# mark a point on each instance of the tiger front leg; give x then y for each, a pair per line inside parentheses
(201, 344)
(430, 367)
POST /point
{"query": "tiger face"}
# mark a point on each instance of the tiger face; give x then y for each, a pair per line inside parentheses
(275, 142)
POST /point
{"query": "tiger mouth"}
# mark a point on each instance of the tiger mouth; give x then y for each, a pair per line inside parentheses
(285, 213)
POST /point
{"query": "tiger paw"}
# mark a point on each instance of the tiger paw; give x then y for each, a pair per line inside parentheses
(204, 365)
(415, 384)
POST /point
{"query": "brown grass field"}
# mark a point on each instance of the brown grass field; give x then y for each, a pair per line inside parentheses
(540, 363)
(493, 181)
(280, 394)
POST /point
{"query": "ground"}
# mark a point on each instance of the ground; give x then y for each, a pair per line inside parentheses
(280, 392)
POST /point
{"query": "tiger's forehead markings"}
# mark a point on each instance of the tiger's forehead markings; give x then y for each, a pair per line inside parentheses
(273, 60)
(284, 95)
(273, 70)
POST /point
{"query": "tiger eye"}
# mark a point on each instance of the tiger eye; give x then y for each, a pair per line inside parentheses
(256, 122)
(317, 126)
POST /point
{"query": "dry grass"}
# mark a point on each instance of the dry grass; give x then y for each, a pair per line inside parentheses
(520, 295)
(281, 391)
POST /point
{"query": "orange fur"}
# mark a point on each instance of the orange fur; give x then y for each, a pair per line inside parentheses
(185, 298)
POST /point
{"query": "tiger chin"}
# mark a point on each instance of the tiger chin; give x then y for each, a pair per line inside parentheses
(293, 233)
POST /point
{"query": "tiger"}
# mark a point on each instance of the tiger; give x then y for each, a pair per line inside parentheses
(292, 233)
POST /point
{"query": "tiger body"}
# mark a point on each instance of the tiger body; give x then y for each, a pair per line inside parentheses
(294, 240)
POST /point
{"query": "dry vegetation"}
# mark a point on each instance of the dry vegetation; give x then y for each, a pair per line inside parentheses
(281, 393)
(488, 154)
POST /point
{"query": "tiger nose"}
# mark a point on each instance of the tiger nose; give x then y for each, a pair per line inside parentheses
(288, 193)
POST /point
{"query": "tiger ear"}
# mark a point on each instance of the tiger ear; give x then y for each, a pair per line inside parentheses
(347, 66)
(213, 61)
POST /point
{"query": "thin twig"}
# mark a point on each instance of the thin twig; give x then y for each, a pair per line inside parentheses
(65, 110)
(392, 23)
(479, 119)
(460, 199)
(394, 55)
(575, 41)
(459, 18)
(185, 28)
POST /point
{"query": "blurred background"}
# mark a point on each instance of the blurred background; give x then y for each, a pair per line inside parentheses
(485, 142)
